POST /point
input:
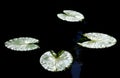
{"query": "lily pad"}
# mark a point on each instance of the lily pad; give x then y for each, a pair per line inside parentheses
(56, 62)
(22, 44)
(98, 40)
(70, 16)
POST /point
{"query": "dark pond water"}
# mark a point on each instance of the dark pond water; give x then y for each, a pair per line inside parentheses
(39, 20)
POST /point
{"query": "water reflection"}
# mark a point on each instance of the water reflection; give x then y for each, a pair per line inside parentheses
(76, 69)
(78, 36)
(76, 66)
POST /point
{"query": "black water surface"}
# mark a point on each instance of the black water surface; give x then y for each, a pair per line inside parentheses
(39, 20)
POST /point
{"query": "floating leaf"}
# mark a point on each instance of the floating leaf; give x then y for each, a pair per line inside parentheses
(22, 44)
(71, 16)
(53, 62)
(98, 40)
